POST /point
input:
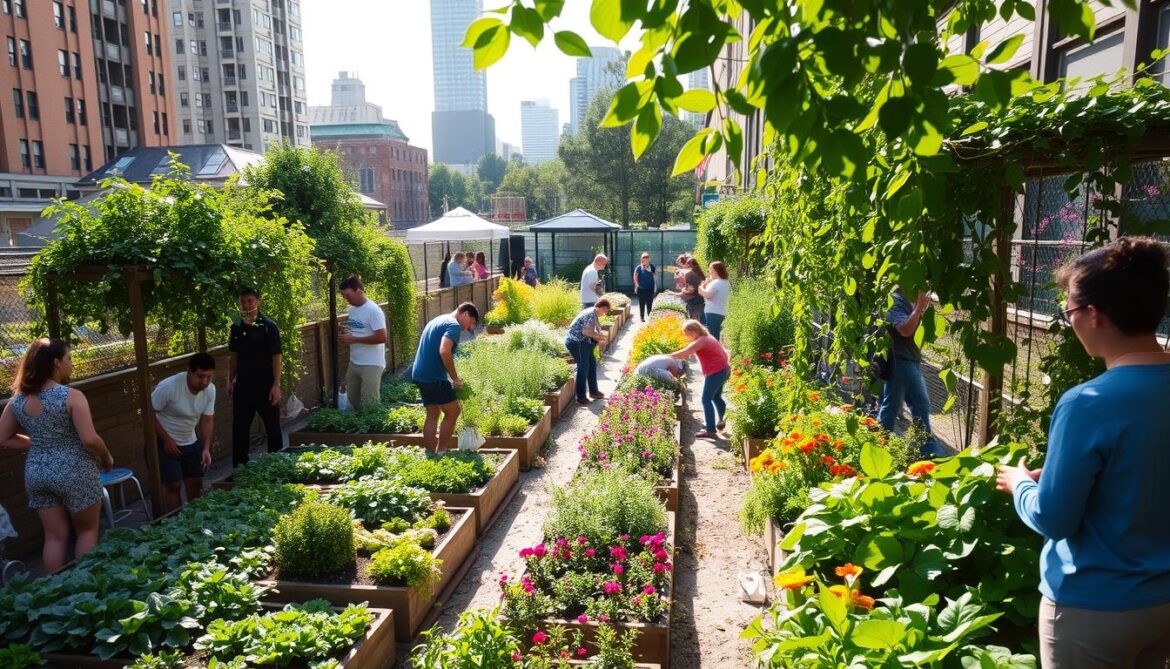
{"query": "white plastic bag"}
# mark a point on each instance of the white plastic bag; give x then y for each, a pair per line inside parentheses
(751, 588)
(343, 402)
(293, 407)
(470, 440)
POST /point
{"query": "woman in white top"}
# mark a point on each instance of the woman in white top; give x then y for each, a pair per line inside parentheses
(716, 290)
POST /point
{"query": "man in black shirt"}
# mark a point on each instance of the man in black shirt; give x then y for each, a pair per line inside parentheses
(254, 377)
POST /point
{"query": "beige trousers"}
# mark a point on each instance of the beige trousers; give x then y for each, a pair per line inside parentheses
(1072, 638)
(363, 385)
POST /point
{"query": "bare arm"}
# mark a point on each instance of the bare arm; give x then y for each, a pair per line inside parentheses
(635, 279)
(447, 355)
(907, 328)
(379, 337)
(83, 422)
(9, 437)
(206, 434)
(688, 351)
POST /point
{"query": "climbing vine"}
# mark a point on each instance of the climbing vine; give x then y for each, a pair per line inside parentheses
(727, 231)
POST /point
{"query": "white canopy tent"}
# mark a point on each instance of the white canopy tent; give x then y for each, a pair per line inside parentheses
(457, 225)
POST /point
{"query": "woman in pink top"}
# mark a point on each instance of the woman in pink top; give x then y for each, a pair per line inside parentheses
(716, 370)
(481, 266)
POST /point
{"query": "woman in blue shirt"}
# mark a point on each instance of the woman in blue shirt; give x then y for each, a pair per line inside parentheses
(584, 336)
(1102, 499)
(644, 286)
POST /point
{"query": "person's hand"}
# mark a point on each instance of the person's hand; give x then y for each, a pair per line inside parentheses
(1007, 476)
(205, 458)
(923, 301)
(274, 395)
(172, 448)
(458, 383)
(106, 462)
(345, 338)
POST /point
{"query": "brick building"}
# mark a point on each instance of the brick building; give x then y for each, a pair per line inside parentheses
(375, 152)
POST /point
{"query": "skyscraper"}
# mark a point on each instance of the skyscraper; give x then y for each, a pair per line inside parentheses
(239, 74)
(593, 74)
(462, 130)
(539, 131)
(698, 79)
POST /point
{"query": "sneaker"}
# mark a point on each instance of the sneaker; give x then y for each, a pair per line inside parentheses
(703, 434)
(721, 426)
(597, 396)
(583, 401)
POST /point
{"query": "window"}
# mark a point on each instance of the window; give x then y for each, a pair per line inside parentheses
(184, 100)
(85, 158)
(239, 45)
(162, 84)
(11, 52)
(157, 45)
(34, 106)
(148, 42)
(63, 62)
(150, 81)
(38, 148)
(81, 112)
(365, 177)
(269, 125)
(166, 126)
(7, 6)
(195, 74)
(178, 47)
(247, 124)
(194, 48)
(59, 15)
(1103, 57)
(18, 102)
(295, 33)
(210, 129)
(206, 73)
(298, 84)
(301, 131)
(177, 18)
(74, 157)
(19, 5)
(77, 66)
(202, 47)
(70, 117)
(182, 73)
(243, 98)
(157, 127)
(26, 54)
(186, 126)
(243, 70)
(202, 126)
(72, 19)
(25, 162)
(199, 100)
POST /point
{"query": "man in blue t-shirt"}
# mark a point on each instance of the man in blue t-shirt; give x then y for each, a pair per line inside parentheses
(905, 384)
(434, 373)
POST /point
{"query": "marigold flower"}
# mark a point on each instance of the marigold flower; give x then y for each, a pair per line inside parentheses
(920, 468)
(828, 460)
(814, 397)
(838, 444)
(741, 388)
(816, 422)
(808, 446)
(842, 471)
(864, 601)
(539, 638)
(849, 569)
(792, 580)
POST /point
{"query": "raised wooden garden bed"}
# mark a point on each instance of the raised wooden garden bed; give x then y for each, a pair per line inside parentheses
(561, 399)
(773, 535)
(527, 446)
(306, 438)
(376, 650)
(411, 606)
(680, 400)
(494, 329)
(668, 492)
(489, 501)
(752, 447)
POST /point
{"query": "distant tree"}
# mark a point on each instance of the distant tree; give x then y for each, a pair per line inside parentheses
(438, 187)
(518, 159)
(491, 169)
(542, 186)
(659, 198)
(455, 189)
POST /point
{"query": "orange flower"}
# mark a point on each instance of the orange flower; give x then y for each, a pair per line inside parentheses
(838, 444)
(883, 441)
(816, 422)
(853, 597)
(846, 408)
(814, 397)
(808, 446)
(770, 382)
(777, 467)
(823, 438)
(740, 388)
(920, 468)
(849, 569)
(795, 436)
(864, 601)
(869, 422)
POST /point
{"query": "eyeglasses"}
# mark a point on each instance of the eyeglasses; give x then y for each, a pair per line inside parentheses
(1066, 314)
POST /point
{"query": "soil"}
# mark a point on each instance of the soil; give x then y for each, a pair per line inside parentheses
(711, 550)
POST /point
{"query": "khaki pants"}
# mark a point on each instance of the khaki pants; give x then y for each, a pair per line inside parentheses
(1072, 638)
(363, 385)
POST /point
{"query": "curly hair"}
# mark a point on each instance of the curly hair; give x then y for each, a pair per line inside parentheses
(1126, 280)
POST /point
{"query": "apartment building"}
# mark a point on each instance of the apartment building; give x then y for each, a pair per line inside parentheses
(238, 72)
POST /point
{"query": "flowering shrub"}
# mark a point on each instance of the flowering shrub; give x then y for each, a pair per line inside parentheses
(534, 335)
(634, 433)
(813, 449)
(512, 303)
(660, 335)
(556, 302)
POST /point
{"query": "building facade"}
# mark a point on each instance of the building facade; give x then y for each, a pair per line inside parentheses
(85, 81)
(593, 74)
(239, 72)
(374, 150)
(462, 129)
(539, 131)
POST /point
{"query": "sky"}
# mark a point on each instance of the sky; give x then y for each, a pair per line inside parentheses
(388, 44)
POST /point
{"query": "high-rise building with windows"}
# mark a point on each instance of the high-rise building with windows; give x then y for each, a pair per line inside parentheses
(700, 79)
(462, 129)
(539, 131)
(83, 82)
(593, 74)
(239, 73)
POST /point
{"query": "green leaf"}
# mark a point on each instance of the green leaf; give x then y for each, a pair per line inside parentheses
(920, 63)
(833, 607)
(1004, 51)
(876, 461)
(963, 69)
(549, 9)
(693, 152)
(850, 286)
(571, 44)
(476, 29)
(645, 129)
(491, 46)
(697, 100)
(527, 24)
(625, 106)
(974, 128)
(878, 634)
(606, 17)
(895, 115)
(733, 137)
(926, 138)
(878, 552)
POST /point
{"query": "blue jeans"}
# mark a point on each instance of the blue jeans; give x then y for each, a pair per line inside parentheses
(713, 404)
(714, 323)
(906, 385)
(582, 352)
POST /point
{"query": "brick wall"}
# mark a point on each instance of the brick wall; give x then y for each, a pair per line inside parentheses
(115, 403)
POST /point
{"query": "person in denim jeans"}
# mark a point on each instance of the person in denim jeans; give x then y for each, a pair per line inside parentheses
(716, 367)
(584, 335)
(906, 384)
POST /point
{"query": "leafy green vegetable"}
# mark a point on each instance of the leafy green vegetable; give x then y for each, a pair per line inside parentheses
(298, 634)
(314, 540)
(406, 564)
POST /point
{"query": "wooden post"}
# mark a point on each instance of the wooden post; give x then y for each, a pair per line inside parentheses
(336, 380)
(991, 399)
(142, 374)
(52, 312)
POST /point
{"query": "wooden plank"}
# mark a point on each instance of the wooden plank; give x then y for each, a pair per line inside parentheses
(142, 376)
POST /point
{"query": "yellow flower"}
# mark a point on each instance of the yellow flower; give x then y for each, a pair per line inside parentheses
(920, 468)
(793, 579)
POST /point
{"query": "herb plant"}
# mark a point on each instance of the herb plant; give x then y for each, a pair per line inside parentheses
(602, 505)
(406, 564)
(375, 502)
(314, 540)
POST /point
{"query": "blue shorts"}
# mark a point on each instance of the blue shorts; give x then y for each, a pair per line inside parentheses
(188, 466)
(436, 392)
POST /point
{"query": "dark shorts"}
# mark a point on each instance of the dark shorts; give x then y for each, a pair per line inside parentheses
(189, 466)
(436, 392)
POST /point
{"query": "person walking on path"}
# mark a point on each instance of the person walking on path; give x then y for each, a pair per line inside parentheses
(716, 368)
(584, 336)
(366, 335)
(254, 377)
(62, 473)
(527, 273)
(458, 273)
(184, 421)
(644, 286)
(591, 286)
(692, 279)
(435, 375)
(716, 290)
(1100, 500)
(906, 384)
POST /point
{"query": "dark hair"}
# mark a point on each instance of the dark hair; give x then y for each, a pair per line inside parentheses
(602, 303)
(1126, 280)
(352, 283)
(200, 362)
(249, 292)
(719, 269)
(468, 308)
(480, 257)
(37, 366)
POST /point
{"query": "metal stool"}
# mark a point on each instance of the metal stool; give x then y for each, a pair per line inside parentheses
(117, 477)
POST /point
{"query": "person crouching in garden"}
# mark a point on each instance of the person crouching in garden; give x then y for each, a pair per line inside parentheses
(62, 473)
(184, 421)
(584, 336)
(1100, 502)
(716, 368)
(661, 367)
(434, 373)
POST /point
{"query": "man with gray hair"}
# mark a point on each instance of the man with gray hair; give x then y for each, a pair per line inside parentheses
(662, 367)
(591, 287)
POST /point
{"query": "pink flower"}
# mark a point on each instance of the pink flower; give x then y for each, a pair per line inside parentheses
(540, 551)
(645, 454)
(636, 602)
(618, 553)
(525, 552)
(661, 555)
(527, 585)
(611, 587)
(503, 579)
(624, 537)
(581, 652)
(648, 589)
(661, 567)
(589, 552)
(618, 569)
(603, 618)
(582, 540)
(516, 656)
(539, 638)
(561, 543)
(582, 618)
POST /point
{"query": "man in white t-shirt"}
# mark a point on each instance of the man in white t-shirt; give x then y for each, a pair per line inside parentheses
(184, 421)
(591, 287)
(365, 332)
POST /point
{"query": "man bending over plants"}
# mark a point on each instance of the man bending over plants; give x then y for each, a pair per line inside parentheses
(183, 403)
(434, 373)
